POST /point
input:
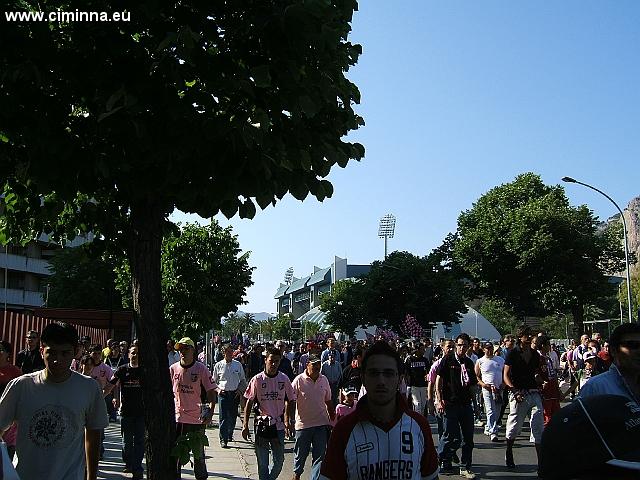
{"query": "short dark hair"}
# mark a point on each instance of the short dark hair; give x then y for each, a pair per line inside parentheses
(523, 330)
(357, 352)
(463, 336)
(33, 332)
(381, 348)
(542, 340)
(59, 333)
(7, 347)
(619, 332)
(96, 347)
(273, 351)
(86, 359)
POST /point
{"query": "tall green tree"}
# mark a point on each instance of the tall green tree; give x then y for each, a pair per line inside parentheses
(205, 275)
(523, 243)
(82, 279)
(205, 107)
(500, 315)
(402, 284)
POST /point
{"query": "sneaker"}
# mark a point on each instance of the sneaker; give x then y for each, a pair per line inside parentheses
(223, 444)
(494, 438)
(466, 473)
(479, 423)
(508, 459)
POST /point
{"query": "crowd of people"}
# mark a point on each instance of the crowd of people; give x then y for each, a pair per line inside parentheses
(361, 409)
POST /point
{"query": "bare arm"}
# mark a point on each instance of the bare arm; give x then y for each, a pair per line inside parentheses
(92, 452)
(438, 392)
(331, 409)
(245, 419)
(479, 376)
(212, 398)
(506, 377)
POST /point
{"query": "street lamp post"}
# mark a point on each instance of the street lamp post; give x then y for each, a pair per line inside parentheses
(624, 229)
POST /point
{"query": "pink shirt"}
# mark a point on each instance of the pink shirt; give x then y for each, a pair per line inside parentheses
(311, 409)
(431, 376)
(186, 390)
(342, 410)
(271, 392)
(102, 374)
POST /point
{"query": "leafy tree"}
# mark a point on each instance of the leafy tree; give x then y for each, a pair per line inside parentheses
(557, 326)
(281, 329)
(500, 315)
(403, 283)
(205, 275)
(232, 325)
(312, 328)
(345, 306)
(249, 320)
(81, 279)
(205, 107)
(523, 243)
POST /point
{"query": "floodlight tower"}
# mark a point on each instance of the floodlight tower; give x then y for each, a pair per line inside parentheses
(386, 229)
(288, 276)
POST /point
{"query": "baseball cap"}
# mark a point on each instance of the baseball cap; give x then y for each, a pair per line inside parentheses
(349, 389)
(314, 358)
(589, 356)
(592, 432)
(184, 341)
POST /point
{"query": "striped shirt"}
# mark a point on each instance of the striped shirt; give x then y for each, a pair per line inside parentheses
(362, 449)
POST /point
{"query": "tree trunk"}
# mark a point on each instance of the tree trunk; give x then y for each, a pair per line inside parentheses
(144, 257)
(578, 320)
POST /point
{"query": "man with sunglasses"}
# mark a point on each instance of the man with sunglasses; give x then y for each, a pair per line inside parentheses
(455, 384)
(623, 377)
(29, 360)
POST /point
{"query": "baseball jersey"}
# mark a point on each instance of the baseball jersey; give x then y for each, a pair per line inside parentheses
(362, 449)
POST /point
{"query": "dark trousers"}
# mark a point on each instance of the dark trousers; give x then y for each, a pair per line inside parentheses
(228, 412)
(132, 431)
(111, 410)
(199, 464)
(458, 432)
(505, 402)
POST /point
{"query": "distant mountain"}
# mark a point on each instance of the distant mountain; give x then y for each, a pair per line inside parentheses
(632, 219)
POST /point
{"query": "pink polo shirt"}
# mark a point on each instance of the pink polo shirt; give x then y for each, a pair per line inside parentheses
(271, 393)
(102, 374)
(186, 390)
(311, 409)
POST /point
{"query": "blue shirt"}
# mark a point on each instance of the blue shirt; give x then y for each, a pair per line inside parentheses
(610, 382)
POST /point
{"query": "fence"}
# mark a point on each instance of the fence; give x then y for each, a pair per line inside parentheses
(15, 326)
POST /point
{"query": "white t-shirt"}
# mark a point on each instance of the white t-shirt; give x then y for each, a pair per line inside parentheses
(491, 370)
(229, 376)
(51, 420)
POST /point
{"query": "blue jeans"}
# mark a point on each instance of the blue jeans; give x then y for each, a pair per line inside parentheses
(262, 446)
(228, 412)
(491, 410)
(132, 431)
(305, 439)
(457, 422)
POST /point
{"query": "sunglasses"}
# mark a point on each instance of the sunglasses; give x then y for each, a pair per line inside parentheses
(631, 344)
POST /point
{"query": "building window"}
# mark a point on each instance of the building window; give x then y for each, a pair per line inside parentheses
(284, 302)
(302, 296)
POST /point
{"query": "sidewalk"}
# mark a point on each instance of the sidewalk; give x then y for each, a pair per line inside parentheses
(237, 462)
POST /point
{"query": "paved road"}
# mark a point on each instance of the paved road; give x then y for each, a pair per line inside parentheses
(239, 462)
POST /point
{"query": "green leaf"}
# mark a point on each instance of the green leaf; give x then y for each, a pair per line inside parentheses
(261, 76)
(4, 138)
(309, 108)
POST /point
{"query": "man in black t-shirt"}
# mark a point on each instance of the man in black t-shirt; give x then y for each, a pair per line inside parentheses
(454, 387)
(520, 369)
(30, 360)
(351, 374)
(132, 422)
(416, 368)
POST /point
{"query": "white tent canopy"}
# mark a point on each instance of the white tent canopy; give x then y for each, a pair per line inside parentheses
(473, 323)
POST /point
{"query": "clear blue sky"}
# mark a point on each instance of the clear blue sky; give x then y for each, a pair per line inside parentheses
(458, 97)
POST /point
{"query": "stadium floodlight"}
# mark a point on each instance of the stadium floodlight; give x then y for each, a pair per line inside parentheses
(624, 233)
(386, 229)
(288, 276)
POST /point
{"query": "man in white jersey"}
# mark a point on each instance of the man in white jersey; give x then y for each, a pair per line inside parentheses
(59, 413)
(489, 370)
(383, 438)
